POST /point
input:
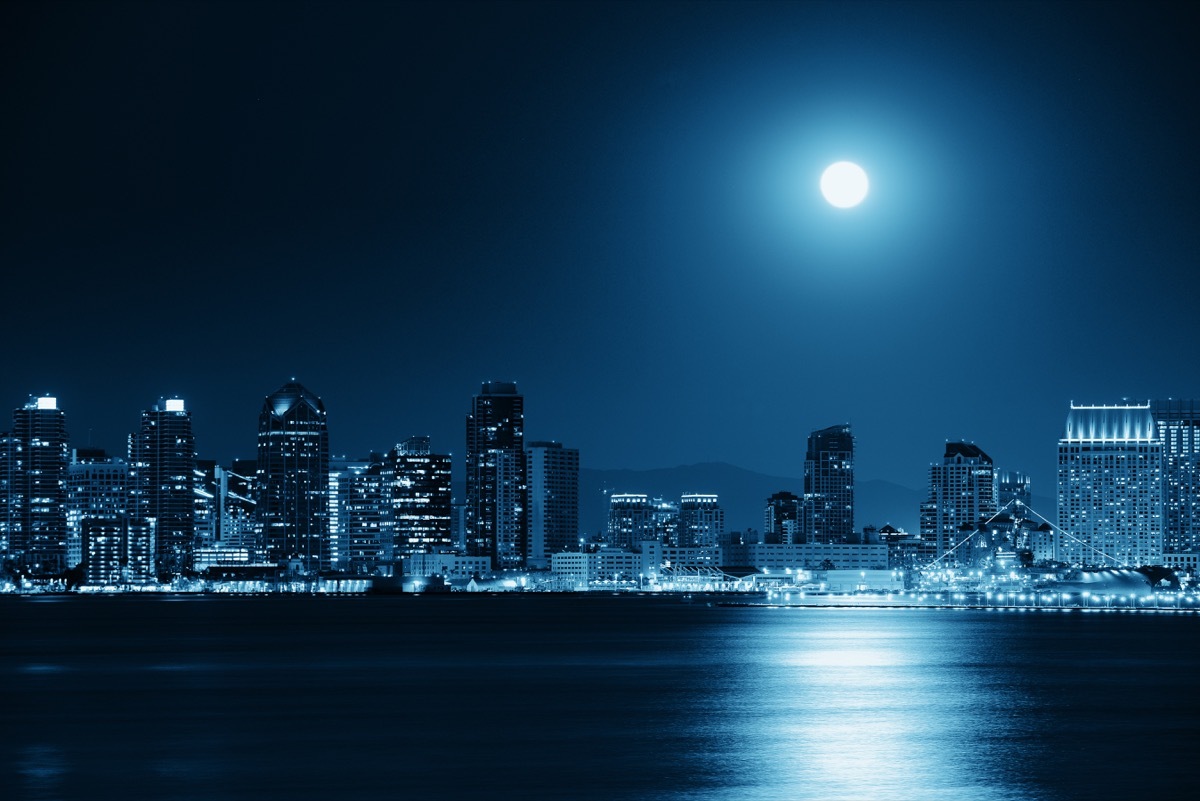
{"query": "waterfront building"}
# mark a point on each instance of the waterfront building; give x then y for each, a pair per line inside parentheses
(238, 526)
(422, 511)
(448, 565)
(1178, 424)
(33, 468)
(829, 485)
(292, 477)
(782, 519)
(360, 515)
(162, 464)
(97, 491)
(553, 501)
(666, 521)
(701, 521)
(631, 520)
(1110, 487)
(962, 493)
(496, 480)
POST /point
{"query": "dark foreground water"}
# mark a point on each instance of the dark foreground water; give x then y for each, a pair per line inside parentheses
(541, 697)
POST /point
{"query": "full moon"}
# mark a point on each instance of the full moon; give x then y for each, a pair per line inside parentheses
(844, 184)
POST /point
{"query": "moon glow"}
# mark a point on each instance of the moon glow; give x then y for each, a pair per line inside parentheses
(844, 184)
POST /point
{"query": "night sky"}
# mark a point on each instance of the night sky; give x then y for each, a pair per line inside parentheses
(614, 205)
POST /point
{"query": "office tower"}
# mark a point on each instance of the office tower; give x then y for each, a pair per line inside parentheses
(206, 504)
(1013, 491)
(162, 463)
(701, 521)
(666, 521)
(962, 493)
(421, 498)
(782, 519)
(97, 491)
(630, 521)
(360, 515)
(1178, 424)
(1110, 487)
(829, 485)
(553, 501)
(293, 478)
(238, 525)
(33, 469)
(497, 524)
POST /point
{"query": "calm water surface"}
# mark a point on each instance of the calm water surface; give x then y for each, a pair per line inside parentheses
(541, 697)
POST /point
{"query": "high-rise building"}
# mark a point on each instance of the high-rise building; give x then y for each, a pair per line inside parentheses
(33, 490)
(421, 498)
(97, 491)
(162, 464)
(1110, 487)
(497, 520)
(701, 521)
(553, 501)
(829, 485)
(962, 493)
(630, 520)
(293, 477)
(1178, 424)
(782, 519)
(360, 515)
(206, 489)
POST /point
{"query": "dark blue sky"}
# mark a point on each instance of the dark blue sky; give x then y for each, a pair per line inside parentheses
(614, 205)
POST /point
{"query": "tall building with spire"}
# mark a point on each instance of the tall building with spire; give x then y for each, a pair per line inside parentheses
(162, 463)
(829, 485)
(33, 490)
(1110, 487)
(292, 478)
(962, 493)
(497, 520)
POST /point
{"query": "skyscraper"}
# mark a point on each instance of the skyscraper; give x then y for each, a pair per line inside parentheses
(553, 501)
(421, 497)
(33, 468)
(497, 522)
(962, 493)
(630, 520)
(701, 521)
(829, 485)
(293, 477)
(360, 518)
(782, 519)
(1178, 424)
(97, 490)
(1110, 487)
(162, 463)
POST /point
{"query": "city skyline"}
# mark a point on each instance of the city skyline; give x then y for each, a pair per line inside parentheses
(619, 212)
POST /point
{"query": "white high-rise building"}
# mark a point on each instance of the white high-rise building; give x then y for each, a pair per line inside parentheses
(962, 494)
(1110, 487)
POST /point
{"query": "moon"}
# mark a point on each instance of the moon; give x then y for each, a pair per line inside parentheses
(844, 184)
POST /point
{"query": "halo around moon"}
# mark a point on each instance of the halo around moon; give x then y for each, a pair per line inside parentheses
(844, 184)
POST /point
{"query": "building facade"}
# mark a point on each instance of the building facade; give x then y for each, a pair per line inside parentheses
(1110, 487)
(783, 518)
(701, 521)
(33, 488)
(162, 482)
(1178, 424)
(962, 493)
(422, 513)
(553, 501)
(496, 480)
(292, 477)
(829, 485)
